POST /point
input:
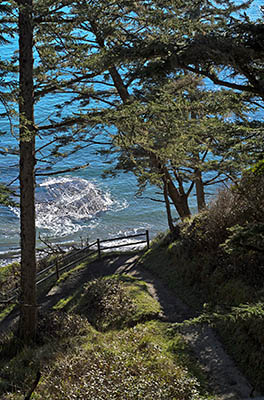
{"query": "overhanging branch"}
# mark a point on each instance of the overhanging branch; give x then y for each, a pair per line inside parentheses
(64, 171)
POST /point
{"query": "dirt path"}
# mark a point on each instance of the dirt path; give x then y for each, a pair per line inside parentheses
(225, 379)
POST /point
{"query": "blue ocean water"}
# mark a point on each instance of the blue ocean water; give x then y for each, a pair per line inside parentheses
(79, 206)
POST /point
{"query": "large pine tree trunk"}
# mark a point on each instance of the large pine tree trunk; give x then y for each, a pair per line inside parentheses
(28, 311)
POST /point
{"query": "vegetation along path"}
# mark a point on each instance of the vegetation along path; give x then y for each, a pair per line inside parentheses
(223, 376)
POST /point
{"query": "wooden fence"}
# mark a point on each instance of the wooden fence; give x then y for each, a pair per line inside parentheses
(69, 260)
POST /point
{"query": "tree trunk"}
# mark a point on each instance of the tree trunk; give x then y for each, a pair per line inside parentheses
(167, 202)
(180, 200)
(200, 196)
(28, 308)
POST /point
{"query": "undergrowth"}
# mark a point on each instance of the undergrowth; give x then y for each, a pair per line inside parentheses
(218, 258)
(105, 342)
(112, 302)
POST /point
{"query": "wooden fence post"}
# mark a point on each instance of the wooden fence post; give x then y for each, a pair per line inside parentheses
(147, 238)
(99, 249)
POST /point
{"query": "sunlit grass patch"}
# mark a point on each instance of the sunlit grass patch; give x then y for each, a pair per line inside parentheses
(9, 277)
(145, 304)
(5, 310)
(112, 302)
(127, 358)
(62, 303)
(128, 364)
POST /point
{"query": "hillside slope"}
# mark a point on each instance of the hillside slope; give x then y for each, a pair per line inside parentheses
(98, 307)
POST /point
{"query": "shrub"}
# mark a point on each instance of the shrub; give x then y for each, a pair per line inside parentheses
(59, 324)
(106, 304)
(250, 194)
(244, 336)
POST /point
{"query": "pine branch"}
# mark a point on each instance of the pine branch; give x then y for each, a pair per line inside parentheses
(220, 82)
(62, 171)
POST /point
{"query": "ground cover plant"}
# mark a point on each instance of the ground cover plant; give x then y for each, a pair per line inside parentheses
(9, 277)
(117, 350)
(216, 262)
(105, 338)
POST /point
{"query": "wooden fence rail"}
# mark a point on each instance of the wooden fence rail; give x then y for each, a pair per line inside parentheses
(70, 260)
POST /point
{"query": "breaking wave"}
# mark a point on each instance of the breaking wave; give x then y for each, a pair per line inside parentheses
(64, 204)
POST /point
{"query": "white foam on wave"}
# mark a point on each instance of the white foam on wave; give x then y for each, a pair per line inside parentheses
(65, 204)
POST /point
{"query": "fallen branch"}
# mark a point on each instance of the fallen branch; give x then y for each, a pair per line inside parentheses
(34, 385)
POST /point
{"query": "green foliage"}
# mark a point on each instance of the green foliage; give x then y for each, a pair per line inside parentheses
(59, 325)
(258, 168)
(6, 197)
(250, 193)
(149, 111)
(137, 355)
(5, 17)
(145, 307)
(9, 277)
(76, 360)
(218, 259)
(245, 240)
(205, 39)
(178, 126)
(243, 332)
(105, 303)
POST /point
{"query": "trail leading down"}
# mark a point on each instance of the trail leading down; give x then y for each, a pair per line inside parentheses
(224, 378)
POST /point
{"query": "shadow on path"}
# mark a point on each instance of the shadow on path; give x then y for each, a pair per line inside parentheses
(227, 382)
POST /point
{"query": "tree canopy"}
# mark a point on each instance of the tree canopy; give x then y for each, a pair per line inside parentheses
(129, 75)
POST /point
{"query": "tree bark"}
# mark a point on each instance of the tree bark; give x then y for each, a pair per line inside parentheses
(167, 202)
(180, 200)
(200, 196)
(28, 308)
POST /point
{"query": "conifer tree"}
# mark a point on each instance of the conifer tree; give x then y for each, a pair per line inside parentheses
(113, 59)
(123, 41)
(26, 13)
(28, 305)
(189, 133)
(219, 40)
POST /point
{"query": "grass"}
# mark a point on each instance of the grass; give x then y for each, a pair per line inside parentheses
(112, 301)
(6, 310)
(116, 350)
(9, 277)
(226, 292)
(105, 339)
(131, 364)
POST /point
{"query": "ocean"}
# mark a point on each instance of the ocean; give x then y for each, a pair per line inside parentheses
(80, 206)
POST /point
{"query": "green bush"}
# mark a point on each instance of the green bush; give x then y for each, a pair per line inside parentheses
(244, 335)
(105, 303)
